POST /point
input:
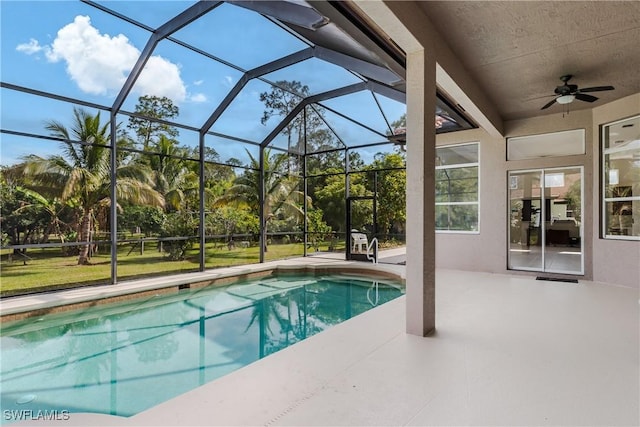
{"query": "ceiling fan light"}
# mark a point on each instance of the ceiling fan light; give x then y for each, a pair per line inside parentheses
(565, 99)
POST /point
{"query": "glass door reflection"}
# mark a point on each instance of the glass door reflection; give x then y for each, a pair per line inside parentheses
(525, 207)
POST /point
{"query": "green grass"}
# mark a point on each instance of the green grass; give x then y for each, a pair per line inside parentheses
(49, 269)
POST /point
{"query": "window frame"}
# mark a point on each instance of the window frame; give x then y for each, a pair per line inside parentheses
(604, 200)
(462, 166)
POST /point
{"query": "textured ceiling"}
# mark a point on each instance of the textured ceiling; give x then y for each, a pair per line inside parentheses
(518, 50)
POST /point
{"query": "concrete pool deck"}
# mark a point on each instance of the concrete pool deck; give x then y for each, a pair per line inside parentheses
(509, 350)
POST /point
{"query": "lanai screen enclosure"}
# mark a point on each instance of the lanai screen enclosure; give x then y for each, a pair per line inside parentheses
(145, 138)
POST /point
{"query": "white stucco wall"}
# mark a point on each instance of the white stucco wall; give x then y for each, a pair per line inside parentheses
(614, 261)
(484, 251)
(611, 261)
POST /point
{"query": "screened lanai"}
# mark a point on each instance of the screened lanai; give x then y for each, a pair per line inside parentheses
(154, 138)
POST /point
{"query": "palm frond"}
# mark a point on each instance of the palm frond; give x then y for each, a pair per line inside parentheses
(174, 198)
(133, 191)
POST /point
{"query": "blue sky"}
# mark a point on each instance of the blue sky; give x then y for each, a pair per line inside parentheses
(72, 49)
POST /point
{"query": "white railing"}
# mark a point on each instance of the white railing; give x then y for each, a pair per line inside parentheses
(376, 299)
(373, 257)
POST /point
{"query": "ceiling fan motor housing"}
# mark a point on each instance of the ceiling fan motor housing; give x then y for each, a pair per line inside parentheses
(566, 89)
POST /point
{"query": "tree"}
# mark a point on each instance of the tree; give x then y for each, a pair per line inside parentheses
(574, 201)
(319, 137)
(171, 176)
(400, 125)
(282, 100)
(82, 175)
(318, 229)
(183, 224)
(148, 219)
(147, 128)
(48, 209)
(391, 191)
(228, 220)
(26, 215)
(322, 163)
(281, 197)
(217, 177)
(331, 199)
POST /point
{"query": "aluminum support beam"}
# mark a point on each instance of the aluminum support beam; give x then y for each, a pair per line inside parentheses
(293, 13)
(357, 87)
(283, 62)
(389, 92)
(330, 128)
(355, 122)
(113, 208)
(165, 30)
(261, 200)
(367, 69)
(201, 197)
(52, 96)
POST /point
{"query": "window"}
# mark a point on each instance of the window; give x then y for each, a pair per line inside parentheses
(566, 143)
(457, 185)
(621, 179)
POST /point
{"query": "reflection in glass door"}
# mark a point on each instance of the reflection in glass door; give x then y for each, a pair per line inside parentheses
(525, 207)
(545, 213)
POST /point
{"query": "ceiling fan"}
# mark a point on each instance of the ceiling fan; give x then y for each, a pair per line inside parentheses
(566, 93)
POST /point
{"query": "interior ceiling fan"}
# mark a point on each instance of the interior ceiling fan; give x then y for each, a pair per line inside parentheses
(566, 93)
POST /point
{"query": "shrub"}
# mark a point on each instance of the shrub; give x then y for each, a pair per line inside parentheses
(179, 224)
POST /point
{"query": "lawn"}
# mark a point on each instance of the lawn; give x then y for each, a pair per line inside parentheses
(49, 269)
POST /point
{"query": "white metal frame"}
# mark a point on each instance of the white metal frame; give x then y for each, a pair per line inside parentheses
(543, 171)
(459, 166)
(604, 200)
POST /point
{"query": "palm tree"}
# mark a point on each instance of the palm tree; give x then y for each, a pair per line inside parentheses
(52, 208)
(171, 176)
(82, 174)
(280, 194)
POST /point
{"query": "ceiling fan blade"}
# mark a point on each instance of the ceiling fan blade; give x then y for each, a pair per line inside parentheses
(584, 97)
(540, 97)
(549, 104)
(597, 88)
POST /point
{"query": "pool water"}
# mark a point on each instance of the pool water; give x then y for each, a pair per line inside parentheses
(124, 358)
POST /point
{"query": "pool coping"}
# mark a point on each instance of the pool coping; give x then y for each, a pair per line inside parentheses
(33, 305)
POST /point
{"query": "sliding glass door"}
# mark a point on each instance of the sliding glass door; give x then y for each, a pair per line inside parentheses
(545, 220)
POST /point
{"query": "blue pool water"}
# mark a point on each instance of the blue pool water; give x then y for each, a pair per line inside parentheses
(124, 358)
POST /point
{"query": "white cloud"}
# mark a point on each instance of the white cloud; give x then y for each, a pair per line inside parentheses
(198, 82)
(30, 48)
(99, 63)
(198, 97)
(161, 77)
(228, 81)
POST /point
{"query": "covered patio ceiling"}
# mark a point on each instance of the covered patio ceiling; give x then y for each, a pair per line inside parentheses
(517, 51)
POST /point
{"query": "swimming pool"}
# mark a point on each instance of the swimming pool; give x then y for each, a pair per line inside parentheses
(123, 358)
